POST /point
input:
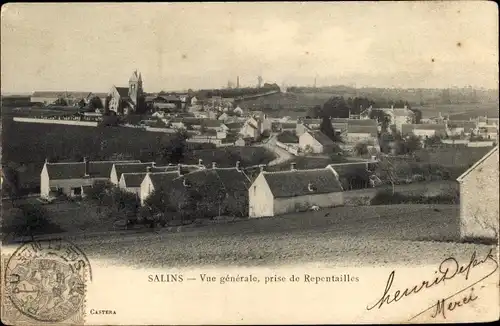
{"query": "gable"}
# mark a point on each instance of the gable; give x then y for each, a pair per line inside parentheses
(490, 155)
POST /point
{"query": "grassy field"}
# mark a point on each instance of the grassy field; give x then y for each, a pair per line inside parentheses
(27, 145)
(378, 235)
(460, 111)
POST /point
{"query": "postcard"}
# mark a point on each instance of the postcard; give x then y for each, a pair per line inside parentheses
(249, 163)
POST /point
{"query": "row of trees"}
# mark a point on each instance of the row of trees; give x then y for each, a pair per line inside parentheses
(339, 107)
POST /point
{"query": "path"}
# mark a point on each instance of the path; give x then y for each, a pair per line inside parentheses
(282, 156)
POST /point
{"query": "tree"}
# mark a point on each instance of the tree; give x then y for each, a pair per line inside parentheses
(382, 118)
(335, 107)
(418, 115)
(314, 112)
(176, 147)
(11, 183)
(61, 101)
(327, 128)
(412, 144)
(95, 103)
(386, 171)
(361, 149)
(35, 220)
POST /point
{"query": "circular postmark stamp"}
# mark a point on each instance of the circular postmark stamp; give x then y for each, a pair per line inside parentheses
(46, 280)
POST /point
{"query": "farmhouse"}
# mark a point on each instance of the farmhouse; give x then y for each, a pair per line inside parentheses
(424, 130)
(131, 182)
(479, 198)
(276, 193)
(216, 191)
(156, 181)
(119, 168)
(315, 142)
(361, 131)
(307, 124)
(68, 178)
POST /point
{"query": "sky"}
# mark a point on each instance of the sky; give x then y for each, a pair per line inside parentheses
(91, 47)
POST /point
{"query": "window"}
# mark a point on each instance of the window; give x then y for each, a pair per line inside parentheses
(77, 191)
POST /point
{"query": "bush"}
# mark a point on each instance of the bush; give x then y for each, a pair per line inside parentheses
(30, 220)
(386, 197)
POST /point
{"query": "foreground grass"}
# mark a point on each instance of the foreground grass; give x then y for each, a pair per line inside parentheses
(348, 236)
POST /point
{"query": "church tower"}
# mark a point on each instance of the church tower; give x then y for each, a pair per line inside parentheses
(135, 87)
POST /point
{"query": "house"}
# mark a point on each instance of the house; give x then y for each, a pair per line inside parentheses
(251, 129)
(304, 125)
(479, 199)
(156, 181)
(361, 131)
(218, 191)
(354, 175)
(277, 193)
(315, 142)
(397, 116)
(69, 177)
(238, 111)
(424, 130)
(194, 101)
(119, 168)
(131, 182)
(460, 127)
(488, 132)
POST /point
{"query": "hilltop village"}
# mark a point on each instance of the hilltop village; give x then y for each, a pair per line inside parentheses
(320, 158)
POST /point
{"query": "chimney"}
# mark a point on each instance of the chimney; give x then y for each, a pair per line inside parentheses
(46, 160)
(214, 165)
(262, 166)
(86, 166)
(292, 166)
(148, 169)
(185, 183)
(310, 187)
(238, 166)
(200, 162)
(153, 164)
(179, 169)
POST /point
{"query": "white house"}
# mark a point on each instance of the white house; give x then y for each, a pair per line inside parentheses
(69, 177)
(479, 198)
(315, 142)
(250, 129)
(131, 182)
(276, 193)
(119, 168)
(154, 181)
(424, 130)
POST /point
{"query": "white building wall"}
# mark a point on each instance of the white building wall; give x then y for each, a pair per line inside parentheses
(146, 189)
(260, 198)
(479, 199)
(307, 140)
(44, 183)
(291, 204)
(113, 178)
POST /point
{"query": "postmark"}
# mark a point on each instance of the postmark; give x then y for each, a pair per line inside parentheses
(46, 281)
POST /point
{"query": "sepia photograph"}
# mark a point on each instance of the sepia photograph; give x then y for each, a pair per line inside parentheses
(249, 163)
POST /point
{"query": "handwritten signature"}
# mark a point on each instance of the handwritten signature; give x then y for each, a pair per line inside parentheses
(448, 269)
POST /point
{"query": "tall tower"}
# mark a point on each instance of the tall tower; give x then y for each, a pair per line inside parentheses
(259, 81)
(135, 87)
(238, 82)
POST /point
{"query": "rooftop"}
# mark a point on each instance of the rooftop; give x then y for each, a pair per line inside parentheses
(295, 183)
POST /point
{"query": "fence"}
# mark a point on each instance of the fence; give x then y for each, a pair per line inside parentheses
(61, 121)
